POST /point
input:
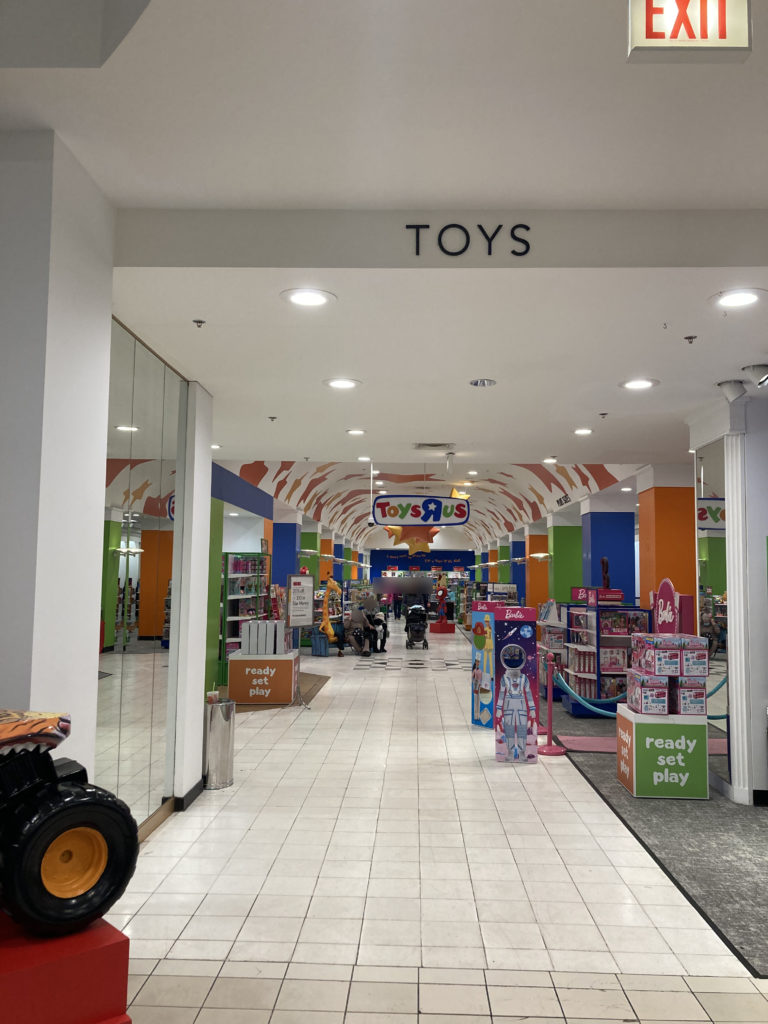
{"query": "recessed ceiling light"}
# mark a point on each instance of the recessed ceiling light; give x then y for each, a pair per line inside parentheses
(550, 459)
(467, 483)
(355, 431)
(583, 431)
(307, 296)
(233, 513)
(483, 382)
(737, 298)
(691, 451)
(215, 447)
(639, 384)
(375, 472)
(625, 489)
(341, 383)
(363, 458)
(128, 429)
(471, 472)
(382, 492)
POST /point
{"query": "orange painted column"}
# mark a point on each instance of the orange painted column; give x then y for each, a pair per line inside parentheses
(156, 562)
(667, 522)
(536, 570)
(493, 571)
(268, 533)
(355, 567)
(326, 559)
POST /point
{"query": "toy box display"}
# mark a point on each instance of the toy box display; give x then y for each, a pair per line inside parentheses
(613, 622)
(688, 696)
(612, 686)
(647, 694)
(694, 661)
(612, 658)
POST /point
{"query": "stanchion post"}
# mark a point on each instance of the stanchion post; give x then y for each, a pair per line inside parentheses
(549, 748)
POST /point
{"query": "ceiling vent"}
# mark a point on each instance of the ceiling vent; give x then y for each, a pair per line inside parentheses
(435, 446)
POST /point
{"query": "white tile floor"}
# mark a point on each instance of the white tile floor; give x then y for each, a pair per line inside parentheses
(373, 864)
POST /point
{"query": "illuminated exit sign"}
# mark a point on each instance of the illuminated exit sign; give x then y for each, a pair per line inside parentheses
(689, 30)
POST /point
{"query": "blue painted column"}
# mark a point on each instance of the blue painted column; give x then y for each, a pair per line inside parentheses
(517, 570)
(611, 535)
(338, 567)
(286, 541)
(484, 571)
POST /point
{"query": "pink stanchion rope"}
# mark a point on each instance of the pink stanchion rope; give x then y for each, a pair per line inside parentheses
(550, 749)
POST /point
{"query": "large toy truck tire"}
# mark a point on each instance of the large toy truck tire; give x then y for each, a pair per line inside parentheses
(67, 856)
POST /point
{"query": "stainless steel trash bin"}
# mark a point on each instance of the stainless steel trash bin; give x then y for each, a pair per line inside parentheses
(219, 745)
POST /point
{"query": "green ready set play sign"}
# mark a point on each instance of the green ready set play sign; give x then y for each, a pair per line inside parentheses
(663, 757)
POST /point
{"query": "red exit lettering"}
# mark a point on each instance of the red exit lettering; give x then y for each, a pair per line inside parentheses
(683, 25)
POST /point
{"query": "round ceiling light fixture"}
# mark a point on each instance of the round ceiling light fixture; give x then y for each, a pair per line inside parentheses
(737, 298)
(550, 460)
(583, 431)
(471, 472)
(626, 489)
(233, 513)
(483, 382)
(342, 383)
(127, 429)
(363, 458)
(639, 384)
(307, 297)
(215, 447)
(382, 492)
(355, 432)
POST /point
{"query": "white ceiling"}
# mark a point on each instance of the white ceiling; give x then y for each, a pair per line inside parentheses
(424, 104)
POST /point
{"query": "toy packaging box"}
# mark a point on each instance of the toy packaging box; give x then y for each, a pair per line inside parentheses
(694, 661)
(647, 694)
(612, 658)
(657, 661)
(516, 691)
(613, 623)
(688, 696)
(483, 661)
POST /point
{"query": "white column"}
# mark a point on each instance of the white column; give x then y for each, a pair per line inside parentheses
(55, 294)
(186, 663)
(739, 657)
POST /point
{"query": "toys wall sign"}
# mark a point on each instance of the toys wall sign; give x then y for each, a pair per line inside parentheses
(420, 510)
(689, 30)
(710, 514)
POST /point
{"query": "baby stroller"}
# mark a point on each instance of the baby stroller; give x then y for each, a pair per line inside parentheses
(416, 626)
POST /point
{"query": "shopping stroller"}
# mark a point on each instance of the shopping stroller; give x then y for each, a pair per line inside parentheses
(416, 626)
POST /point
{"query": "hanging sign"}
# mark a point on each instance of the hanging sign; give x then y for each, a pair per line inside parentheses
(689, 30)
(420, 510)
(710, 514)
(594, 594)
(301, 592)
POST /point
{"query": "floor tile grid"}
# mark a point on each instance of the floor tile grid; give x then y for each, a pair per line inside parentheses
(425, 751)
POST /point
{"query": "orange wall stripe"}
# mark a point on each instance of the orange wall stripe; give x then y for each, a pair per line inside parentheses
(667, 520)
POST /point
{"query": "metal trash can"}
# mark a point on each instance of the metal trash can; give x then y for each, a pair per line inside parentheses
(219, 745)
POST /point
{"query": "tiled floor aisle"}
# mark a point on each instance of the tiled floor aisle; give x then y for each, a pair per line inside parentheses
(373, 865)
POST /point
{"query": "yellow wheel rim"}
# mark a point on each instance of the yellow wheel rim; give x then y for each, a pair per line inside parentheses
(74, 862)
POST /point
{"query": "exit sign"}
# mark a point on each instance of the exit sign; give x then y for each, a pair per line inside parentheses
(689, 30)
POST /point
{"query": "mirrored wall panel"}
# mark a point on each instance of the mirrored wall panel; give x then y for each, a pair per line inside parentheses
(713, 594)
(136, 710)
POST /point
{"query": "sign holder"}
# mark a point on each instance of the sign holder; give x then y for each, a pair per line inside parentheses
(300, 612)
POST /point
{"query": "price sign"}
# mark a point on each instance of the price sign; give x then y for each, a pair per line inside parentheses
(301, 590)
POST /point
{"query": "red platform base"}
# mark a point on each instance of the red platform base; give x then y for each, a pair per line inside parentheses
(77, 979)
(442, 627)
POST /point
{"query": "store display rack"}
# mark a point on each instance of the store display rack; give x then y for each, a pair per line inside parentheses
(598, 651)
(245, 595)
(552, 625)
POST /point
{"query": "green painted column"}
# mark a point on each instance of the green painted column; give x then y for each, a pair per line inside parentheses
(213, 668)
(565, 561)
(712, 564)
(347, 566)
(478, 570)
(505, 571)
(110, 580)
(310, 541)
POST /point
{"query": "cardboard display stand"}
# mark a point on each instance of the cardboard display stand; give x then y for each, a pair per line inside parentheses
(263, 678)
(662, 755)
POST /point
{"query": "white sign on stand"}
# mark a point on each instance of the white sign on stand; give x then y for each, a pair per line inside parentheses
(301, 593)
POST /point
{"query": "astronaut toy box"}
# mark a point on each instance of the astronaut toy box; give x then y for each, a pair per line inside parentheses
(483, 660)
(516, 690)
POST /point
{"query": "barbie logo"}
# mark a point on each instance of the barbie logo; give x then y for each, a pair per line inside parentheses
(665, 608)
(664, 612)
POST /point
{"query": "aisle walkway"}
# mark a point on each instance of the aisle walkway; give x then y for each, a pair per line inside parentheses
(373, 862)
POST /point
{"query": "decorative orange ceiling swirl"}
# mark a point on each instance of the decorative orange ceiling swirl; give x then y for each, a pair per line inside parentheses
(337, 494)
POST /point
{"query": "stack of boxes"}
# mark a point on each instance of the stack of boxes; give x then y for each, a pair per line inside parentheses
(668, 675)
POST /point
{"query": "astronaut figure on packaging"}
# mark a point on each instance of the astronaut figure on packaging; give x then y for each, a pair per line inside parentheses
(515, 706)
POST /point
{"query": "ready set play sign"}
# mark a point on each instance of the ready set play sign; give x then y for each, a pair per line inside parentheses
(420, 510)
